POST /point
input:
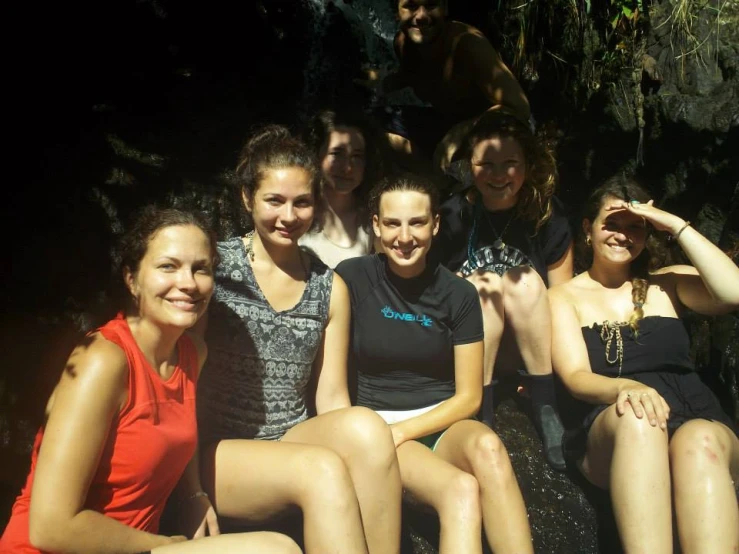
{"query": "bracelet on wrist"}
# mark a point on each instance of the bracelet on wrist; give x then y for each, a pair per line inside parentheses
(195, 495)
(677, 235)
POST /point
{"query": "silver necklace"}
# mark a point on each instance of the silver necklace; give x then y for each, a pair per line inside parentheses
(499, 244)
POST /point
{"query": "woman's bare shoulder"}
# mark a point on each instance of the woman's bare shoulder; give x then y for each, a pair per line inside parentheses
(96, 351)
(95, 363)
(569, 290)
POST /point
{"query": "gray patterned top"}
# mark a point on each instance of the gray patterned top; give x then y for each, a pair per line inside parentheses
(255, 382)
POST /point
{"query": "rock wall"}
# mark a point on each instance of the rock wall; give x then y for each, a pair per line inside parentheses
(149, 101)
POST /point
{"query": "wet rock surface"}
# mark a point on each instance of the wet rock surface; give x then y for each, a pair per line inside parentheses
(561, 508)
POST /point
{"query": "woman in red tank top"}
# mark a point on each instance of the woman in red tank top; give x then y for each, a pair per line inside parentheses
(120, 432)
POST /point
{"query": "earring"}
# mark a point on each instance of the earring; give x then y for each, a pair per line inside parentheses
(588, 241)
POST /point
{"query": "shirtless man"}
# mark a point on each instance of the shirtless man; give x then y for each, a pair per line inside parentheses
(453, 67)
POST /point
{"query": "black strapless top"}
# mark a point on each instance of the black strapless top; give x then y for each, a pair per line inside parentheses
(657, 356)
(661, 344)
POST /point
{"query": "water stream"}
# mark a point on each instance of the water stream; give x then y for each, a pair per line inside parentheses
(373, 25)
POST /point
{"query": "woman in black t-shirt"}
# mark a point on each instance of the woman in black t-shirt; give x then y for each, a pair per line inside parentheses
(417, 349)
(508, 236)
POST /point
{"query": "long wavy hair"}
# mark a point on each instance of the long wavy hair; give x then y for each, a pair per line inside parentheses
(652, 257)
(535, 197)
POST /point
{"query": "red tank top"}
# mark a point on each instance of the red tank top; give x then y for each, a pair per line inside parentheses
(151, 441)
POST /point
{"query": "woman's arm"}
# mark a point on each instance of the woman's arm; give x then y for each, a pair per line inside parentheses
(561, 271)
(199, 516)
(90, 392)
(329, 367)
(464, 404)
(570, 361)
(712, 285)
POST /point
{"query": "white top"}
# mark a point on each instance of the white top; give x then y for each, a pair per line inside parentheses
(331, 254)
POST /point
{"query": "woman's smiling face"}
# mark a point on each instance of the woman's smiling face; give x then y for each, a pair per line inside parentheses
(616, 235)
(283, 205)
(174, 281)
(405, 226)
(499, 171)
(343, 160)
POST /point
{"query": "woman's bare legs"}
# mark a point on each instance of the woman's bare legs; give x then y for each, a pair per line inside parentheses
(237, 543)
(518, 299)
(517, 323)
(703, 457)
(454, 494)
(628, 456)
(256, 480)
(490, 290)
(526, 309)
(365, 444)
(475, 449)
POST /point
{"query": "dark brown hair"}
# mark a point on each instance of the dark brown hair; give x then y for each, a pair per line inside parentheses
(274, 147)
(316, 136)
(652, 257)
(404, 182)
(145, 224)
(318, 131)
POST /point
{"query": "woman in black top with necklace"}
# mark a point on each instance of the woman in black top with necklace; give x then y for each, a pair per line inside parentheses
(509, 237)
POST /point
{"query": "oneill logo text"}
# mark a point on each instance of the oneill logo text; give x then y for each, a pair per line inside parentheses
(389, 313)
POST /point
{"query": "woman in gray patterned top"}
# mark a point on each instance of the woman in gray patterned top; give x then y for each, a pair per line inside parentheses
(278, 338)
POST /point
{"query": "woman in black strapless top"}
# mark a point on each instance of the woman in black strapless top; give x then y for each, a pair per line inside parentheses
(643, 424)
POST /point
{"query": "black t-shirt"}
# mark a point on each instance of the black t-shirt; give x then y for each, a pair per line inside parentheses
(503, 240)
(404, 332)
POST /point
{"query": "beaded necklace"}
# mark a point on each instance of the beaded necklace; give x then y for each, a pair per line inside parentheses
(612, 330)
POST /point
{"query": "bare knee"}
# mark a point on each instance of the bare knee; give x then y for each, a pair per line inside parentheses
(523, 288)
(698, 442)
(325, 478)
(282, 544)
(461, 498)
(268, 541)
(368, 438)
(636, 430)
(489, 455)
(489, 286)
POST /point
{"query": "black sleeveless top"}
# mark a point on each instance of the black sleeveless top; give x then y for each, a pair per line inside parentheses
(658, 357)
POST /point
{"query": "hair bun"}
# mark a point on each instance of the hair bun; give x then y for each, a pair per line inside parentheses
(266, 136)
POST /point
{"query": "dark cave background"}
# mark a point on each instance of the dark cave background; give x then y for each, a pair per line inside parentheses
(117, 104)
